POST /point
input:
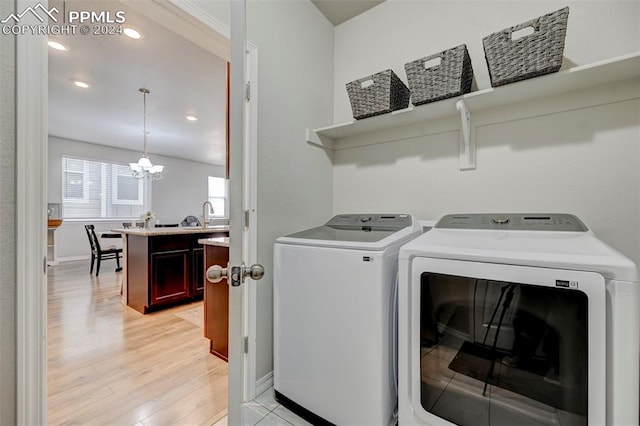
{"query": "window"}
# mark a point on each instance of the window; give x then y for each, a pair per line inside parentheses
(218, 197)
(100, 190)
(126, 188)
(75, 181)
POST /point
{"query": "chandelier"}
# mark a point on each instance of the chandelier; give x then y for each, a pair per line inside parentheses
(144, 168)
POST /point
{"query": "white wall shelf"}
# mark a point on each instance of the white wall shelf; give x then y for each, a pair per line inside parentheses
(52, 256)
(579, 78)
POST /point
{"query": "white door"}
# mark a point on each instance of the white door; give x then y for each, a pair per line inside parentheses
(242, 218)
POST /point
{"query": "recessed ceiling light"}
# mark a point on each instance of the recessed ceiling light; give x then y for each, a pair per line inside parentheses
(80, 83)
(133, 33)
(191, 118)
(57, 45)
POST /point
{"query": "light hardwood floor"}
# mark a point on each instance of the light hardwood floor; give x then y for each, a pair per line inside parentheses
(108, 364)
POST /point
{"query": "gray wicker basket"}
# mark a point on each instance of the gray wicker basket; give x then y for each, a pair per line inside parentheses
(451, 77)
(377, 94)
(530, 56)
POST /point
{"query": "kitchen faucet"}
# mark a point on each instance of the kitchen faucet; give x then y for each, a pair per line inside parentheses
(205, 222)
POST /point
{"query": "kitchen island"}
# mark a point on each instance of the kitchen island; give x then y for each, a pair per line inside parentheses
(164, 266)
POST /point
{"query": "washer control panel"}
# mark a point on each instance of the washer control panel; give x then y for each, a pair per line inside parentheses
(386, 221)
(513, 222)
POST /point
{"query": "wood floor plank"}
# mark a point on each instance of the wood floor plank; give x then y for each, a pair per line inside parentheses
(108, 364)
(192, 400)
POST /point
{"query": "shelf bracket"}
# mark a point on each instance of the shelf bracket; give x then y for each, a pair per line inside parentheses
(323, 142)
(467, 143)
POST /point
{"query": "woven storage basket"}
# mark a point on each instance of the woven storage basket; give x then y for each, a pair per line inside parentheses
(536, 54)
(377, 94)
(451, 77)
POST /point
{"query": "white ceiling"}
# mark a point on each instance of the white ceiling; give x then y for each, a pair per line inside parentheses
(185, 76)
(339, 11)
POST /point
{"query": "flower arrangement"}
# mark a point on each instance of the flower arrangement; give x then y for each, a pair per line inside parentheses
(148, 215)
(147, 218)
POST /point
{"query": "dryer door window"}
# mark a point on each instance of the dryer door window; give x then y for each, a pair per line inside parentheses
(519, 351)
(505, 352)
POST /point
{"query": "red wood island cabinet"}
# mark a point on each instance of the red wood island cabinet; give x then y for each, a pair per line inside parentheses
(216, 298)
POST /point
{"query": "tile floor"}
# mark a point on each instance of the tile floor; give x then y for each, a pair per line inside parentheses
(265, 411)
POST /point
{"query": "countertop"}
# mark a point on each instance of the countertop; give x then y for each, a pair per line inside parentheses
(179, 230)
(217, 241)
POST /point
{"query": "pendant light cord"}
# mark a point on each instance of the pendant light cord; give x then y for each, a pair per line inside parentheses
(144, 119)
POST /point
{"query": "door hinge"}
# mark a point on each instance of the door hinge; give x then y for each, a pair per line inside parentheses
(247, 94)
(246, 344)
(246, 218)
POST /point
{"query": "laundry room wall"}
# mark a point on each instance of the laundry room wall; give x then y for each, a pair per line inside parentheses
(295, 90)
(575, 153)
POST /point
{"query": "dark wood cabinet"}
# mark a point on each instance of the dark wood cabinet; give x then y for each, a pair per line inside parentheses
(163, 270)
(170, 276)
(198, 267)
(216, 304)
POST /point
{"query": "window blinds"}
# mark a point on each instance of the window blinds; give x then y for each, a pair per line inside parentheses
(101, 190)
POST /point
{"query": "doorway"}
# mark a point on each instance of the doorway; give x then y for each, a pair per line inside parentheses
(40, 380)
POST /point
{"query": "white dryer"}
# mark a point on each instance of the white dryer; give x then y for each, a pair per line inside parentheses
(517, 319)
(333, 310)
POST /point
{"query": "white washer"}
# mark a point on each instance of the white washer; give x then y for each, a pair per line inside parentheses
(333, 344)
(517, 319)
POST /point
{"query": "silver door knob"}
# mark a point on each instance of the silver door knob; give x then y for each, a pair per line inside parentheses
(235, 274)
(255, 272)
(216, 273)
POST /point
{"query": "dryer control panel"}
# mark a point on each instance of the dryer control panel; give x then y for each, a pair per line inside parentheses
(513, 222)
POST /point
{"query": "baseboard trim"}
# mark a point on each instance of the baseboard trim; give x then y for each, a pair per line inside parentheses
(264, 383)
(72, 258)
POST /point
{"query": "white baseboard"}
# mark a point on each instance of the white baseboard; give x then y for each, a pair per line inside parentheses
(264, 383)
(72, 258)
